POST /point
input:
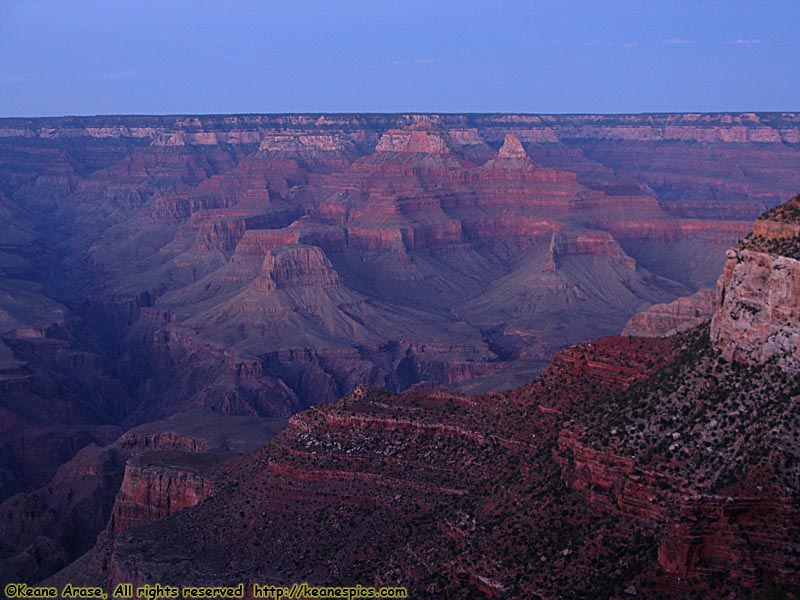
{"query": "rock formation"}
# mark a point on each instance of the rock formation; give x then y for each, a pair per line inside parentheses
(662, 320)
(411, 140)
(154, 487)
(512, 148)
(759, 293)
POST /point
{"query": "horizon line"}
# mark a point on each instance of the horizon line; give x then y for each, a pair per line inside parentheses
(399, 113)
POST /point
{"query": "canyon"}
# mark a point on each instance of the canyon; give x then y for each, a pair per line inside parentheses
(251, 267)
(660, 466)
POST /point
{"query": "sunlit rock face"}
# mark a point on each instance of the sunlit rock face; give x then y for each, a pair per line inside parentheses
(759, 293)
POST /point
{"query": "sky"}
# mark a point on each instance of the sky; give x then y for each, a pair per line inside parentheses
(84, 57)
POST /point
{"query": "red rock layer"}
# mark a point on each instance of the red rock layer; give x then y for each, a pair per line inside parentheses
(152, 491)
(739, 537)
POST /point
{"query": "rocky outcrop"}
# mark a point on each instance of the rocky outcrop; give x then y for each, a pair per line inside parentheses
(156, 486)
(759, 310)
(411, 140)
(662, 320)
(296, 142)
(759, 293)
(596, 243)
(512, 148)
(296, 266)
(777, 231)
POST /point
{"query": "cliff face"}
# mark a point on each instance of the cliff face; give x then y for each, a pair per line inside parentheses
(759, 293)
(154, 487)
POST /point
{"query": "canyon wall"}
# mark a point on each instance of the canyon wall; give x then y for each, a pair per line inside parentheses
(152, 489)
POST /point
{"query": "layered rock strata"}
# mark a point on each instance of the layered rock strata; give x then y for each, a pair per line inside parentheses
(759, 293)
(662, 320)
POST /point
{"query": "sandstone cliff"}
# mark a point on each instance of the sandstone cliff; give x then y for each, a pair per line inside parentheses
(158, 484)
(759, 293)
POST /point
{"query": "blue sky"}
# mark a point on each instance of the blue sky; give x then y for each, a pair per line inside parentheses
(77, 57)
